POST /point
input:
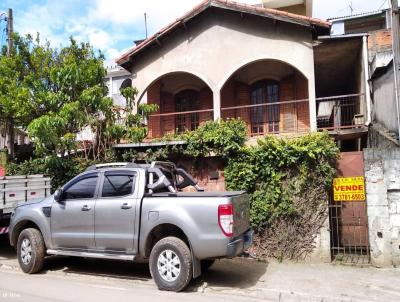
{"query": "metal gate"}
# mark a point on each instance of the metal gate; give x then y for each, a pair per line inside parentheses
(348, 216)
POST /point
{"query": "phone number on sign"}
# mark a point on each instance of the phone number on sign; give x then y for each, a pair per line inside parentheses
(350, 197)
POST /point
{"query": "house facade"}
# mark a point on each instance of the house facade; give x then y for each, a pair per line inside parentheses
(229, 60)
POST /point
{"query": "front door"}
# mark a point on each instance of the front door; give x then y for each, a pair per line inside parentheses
(115, 212)
(72, 220)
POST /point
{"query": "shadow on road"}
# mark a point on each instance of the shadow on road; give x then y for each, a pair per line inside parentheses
(6, 250)
(96, 267)
(239, 273)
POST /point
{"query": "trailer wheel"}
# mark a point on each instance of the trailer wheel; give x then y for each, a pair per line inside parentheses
(171, 264)
(30, 251)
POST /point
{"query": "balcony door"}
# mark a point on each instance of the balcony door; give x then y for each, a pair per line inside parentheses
(265, 118)
(187, 101)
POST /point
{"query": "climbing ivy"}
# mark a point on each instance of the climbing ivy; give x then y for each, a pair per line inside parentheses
(278, 170)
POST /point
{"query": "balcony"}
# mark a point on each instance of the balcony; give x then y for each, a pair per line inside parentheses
(272, 118)
(341, 112)
(336, 113)
(261, 119)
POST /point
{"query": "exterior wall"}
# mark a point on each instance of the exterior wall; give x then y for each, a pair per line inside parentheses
(385, 111)
(116, 75)
(209, 172)
(209, 48)
(382, 173)
(299, 9)
(379, 41)
(322, 243)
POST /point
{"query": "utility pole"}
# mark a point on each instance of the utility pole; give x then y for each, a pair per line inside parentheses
(10, 121)
(396, 56)
(9, 31)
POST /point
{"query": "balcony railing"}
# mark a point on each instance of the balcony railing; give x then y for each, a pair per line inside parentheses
(177, 122)
(287, 117)
(272, 118)
(340, 112)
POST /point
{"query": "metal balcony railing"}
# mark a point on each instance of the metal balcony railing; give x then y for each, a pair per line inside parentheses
(177, 122)
(272, 118)
(340, 112)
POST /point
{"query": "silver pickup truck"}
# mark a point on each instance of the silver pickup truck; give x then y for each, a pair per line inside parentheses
(134, 212)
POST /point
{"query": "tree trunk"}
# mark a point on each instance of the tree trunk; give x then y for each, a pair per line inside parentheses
(10, 137)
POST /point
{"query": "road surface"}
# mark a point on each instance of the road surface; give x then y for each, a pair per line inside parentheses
(76, 279)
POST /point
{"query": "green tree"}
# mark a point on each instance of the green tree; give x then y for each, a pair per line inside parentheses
(135, 123)
(76, 100)
(25, 84)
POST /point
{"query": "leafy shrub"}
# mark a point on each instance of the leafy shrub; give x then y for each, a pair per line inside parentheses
(288, 181)
(60, 170)
(222, 138)
(278, 169)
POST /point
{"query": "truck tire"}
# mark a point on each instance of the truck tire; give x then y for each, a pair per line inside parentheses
(206, 264)
(171, 264)
(30, 251)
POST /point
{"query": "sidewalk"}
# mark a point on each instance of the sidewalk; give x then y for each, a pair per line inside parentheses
(245, 277)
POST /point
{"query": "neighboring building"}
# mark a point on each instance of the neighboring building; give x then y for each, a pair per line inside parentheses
(20, 136)
(117, 78)
(299, 7)
(229, 60)
(377, 25)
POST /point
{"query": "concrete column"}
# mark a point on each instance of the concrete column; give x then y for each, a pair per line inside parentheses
(312, 103)
(217, 104)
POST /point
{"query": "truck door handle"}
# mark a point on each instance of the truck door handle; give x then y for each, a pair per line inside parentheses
(86, 208)
(126, 206)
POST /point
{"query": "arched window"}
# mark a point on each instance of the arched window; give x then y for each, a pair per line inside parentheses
(265, 118)
(187, 100)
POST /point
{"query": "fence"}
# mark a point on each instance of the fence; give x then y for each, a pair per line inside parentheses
(340, 112)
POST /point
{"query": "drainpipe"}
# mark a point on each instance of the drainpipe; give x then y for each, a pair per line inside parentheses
(366, 80)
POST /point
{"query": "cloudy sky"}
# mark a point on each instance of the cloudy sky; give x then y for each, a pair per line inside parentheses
(113, 25)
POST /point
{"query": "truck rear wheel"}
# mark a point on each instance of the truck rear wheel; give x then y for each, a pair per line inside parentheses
(30, 251)
(171, 264)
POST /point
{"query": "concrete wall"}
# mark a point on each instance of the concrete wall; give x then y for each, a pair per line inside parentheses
(217, 44)
(385, 111)
(382, 173)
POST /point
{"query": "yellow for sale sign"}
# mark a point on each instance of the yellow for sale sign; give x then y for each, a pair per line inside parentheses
(349, 189)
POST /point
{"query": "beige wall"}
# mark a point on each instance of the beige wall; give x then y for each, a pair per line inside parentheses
(300, 7)
(216, 45)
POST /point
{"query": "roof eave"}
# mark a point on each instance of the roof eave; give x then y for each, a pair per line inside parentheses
(125, 59)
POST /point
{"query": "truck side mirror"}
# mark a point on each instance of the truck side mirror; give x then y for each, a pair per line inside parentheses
(58, 195)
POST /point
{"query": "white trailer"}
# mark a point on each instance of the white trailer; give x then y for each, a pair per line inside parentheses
(15, 190)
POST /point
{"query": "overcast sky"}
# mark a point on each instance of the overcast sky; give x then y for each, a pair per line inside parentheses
(113, 25)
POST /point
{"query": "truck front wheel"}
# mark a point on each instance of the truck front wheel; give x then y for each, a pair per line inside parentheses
(171, 264)
(30, 251)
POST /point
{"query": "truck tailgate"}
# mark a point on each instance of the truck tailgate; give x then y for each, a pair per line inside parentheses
(241, 213)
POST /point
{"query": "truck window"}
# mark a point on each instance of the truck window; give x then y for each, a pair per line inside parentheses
(118, 184)
(82, 189)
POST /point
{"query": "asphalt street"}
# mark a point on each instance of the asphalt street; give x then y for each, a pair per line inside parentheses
(241, 279)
